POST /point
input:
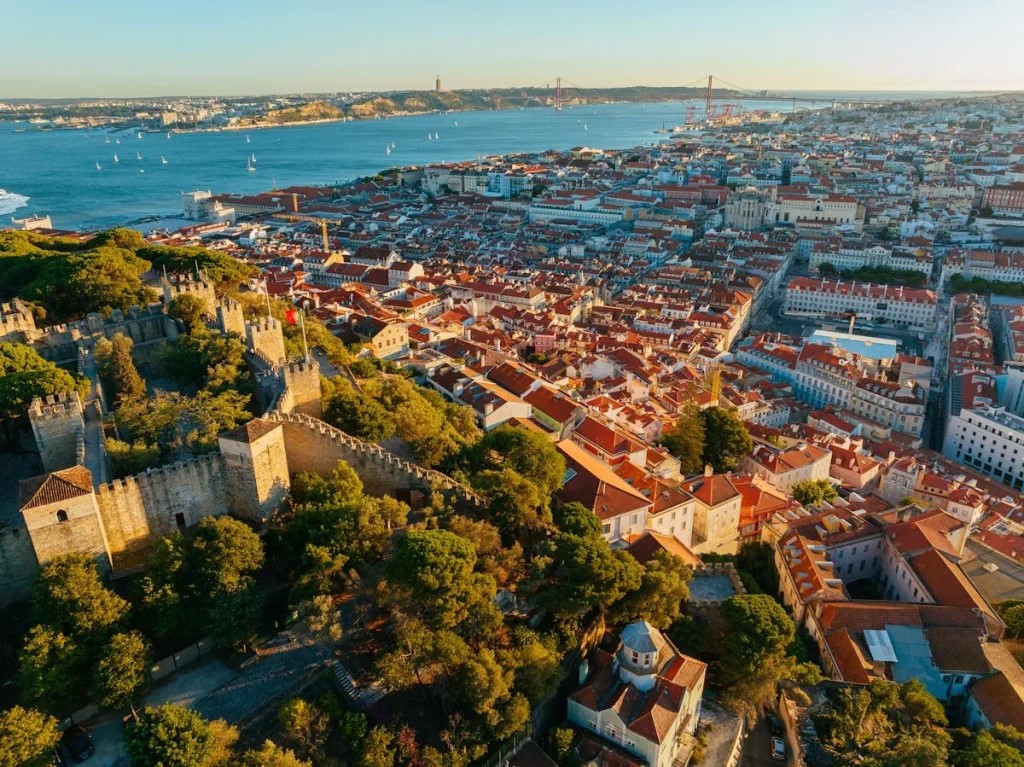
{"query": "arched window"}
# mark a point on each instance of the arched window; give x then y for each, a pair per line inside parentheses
(62, 516)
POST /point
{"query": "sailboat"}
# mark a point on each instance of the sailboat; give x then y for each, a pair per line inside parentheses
(437, 137)
(392, 144)
(247, 138)
(115, 157)
(163, 160)
(106, 140)
(117, 141)
(585, 127)
(456, 123)
(248, 165)
(98, 166)
(138, 155)
(429, 137)
(387, 149)
(138, 135)
(254, 158)
(168, 134)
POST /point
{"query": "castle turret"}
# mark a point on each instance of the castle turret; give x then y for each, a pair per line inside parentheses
(230, 318)
(265, 337)
(58, 425)
(17, 323)
(257, 469)
(62, 516)
(194, 285)
(302, 380)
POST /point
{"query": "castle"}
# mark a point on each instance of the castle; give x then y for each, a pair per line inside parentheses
(68, 508)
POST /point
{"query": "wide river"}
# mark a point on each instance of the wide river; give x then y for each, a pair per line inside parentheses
(57, 170)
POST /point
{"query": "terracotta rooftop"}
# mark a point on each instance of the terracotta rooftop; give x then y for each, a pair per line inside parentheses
(251, 431)
(55, 487)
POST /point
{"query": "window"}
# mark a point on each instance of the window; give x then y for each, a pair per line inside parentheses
(179, 520)
(607, 527)
(62, 516)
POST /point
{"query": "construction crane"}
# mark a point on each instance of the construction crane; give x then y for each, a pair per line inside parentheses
(322, 222)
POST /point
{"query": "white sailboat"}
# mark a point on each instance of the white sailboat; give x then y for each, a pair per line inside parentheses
(98, 166)
(138, 155)
(247, 138)
(248, 165)
(115, 157)
(437, 137)
(163, 160)
(429, 137)
(253, 160)
(585, 127)
(456, 123)
(392, 144)
(168, 134)
(387, 149)
(138, 135)
(106, 140)
(117, 141)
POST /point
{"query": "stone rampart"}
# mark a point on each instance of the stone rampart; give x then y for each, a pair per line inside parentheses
(160, 502)
(314, 446)
(18, 565)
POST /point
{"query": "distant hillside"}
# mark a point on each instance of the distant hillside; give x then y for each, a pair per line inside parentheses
(316, 110)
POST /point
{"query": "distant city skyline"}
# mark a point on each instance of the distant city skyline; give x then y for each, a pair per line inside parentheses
(119, 49)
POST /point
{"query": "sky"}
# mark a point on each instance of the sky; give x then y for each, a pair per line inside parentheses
(68, 48)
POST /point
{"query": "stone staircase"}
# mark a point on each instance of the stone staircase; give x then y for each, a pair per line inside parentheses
(363, 699)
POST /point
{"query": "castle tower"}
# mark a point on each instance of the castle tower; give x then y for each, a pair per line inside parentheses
(265, 337)
(17, 323)
(229, 317)
(62, 516)
(195, 285)
(257, 469)
(302, 379)
(57, 424)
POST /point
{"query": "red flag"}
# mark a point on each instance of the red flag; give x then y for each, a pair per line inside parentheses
(291, 316)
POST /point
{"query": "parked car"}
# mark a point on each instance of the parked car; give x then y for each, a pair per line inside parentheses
(78, 743)
(778, 749)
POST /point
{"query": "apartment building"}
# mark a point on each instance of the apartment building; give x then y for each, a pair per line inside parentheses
(895, 406)
(907, 307)
(989, 440)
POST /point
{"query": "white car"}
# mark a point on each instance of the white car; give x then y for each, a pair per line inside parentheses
(778, 749)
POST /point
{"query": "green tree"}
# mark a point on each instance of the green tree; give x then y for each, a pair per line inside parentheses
(686, 440)
(1014, 620)
(436, 569)
(352, 727)
(27, 738)
(122, 670)
(985, 750)
(117, 370)
(169, 736)
(271, 755)
(503, 563)
(758, 560)
(578, 574)
(378, 748)
(361, 416)
(574, 518)
(663, 589)
(69, 596)
(756, 628)
(225, 270)
(561, 739)
(25, 375)
(305, 726)
(189, 309)
(52, 670)
(528, 453)
(812, 492)
(725, 438)
(517, 505)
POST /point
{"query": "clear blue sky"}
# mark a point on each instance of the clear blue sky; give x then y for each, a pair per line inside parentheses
(145, 47)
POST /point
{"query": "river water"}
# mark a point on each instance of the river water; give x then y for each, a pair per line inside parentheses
(55, 172)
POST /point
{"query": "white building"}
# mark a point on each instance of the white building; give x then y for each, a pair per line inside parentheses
(990, 440)
(838, 298)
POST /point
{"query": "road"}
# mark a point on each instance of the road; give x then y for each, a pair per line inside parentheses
(757, 748)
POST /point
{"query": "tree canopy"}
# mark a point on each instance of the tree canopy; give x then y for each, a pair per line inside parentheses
(27, 738)
(686, 440)
(169, 736)
(25, 375)
(725, 438)
(121, 379)
(811, 492)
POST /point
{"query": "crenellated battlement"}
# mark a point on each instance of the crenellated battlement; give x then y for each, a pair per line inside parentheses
(395, 472)
(55, 406)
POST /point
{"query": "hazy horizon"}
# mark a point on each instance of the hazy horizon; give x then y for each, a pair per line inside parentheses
(120, 49)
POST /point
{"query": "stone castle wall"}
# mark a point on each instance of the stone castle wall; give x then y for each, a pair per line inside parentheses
(60, 343)
(136, 509)
(58, 426)
(314, 446)
(18, 565)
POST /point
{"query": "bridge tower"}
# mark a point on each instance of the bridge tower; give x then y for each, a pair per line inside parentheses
(709, 100)
(558, 94)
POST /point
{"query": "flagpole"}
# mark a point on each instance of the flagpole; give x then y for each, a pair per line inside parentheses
(302, 322)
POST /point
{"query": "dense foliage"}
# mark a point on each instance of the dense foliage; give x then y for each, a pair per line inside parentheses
(25, 375)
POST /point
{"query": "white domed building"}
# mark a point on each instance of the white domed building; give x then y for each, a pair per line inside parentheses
(640, 694)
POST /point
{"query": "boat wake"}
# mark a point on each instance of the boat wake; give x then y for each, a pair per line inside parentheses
(11, 202)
